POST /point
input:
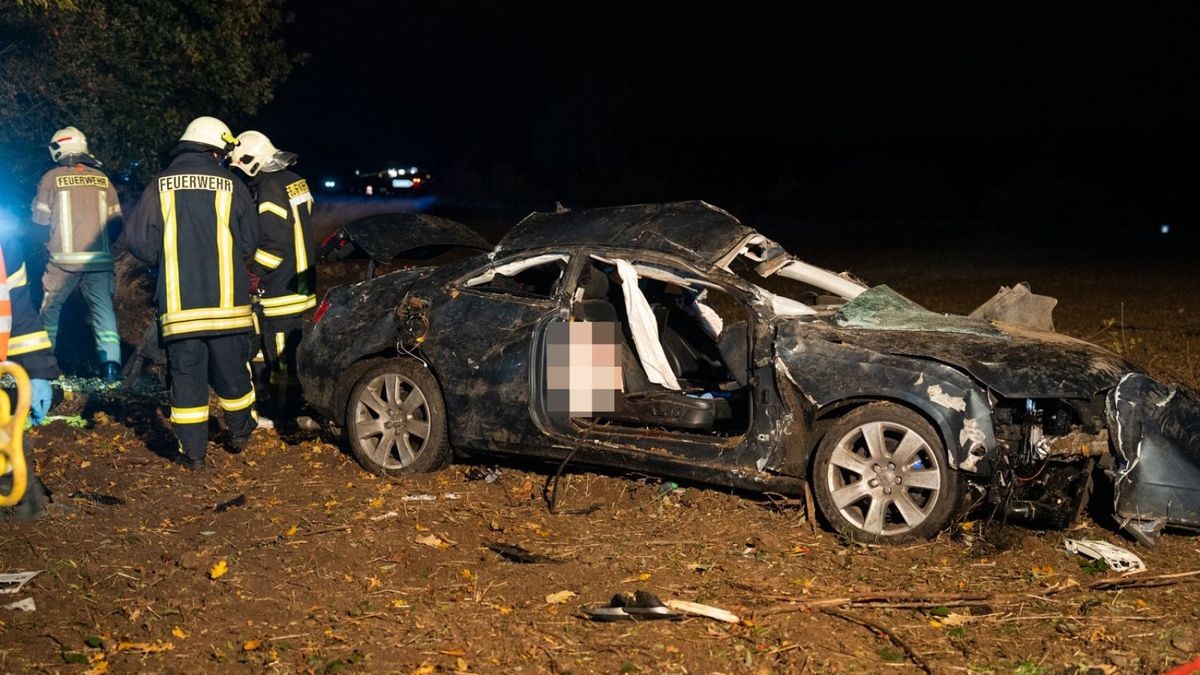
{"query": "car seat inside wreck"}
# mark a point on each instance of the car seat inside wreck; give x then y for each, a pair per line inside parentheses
(682, 345)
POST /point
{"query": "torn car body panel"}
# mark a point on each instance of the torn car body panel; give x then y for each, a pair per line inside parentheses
(829, 371)
(1156, 436)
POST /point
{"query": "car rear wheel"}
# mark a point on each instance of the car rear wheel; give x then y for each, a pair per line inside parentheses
(396, 420)
(881, 474)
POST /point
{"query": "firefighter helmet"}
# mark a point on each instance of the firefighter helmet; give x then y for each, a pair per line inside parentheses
(67, 141)
(210, 131)
(256, 153)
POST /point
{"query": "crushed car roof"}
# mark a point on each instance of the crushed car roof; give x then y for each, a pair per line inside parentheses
(694, 229)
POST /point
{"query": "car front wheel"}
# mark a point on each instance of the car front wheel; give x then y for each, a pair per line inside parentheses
(881, 474)
(396, 420)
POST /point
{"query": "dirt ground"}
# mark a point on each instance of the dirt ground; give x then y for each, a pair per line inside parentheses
(290, 558)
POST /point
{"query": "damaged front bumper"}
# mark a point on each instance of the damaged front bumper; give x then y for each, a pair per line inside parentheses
(1155, 431)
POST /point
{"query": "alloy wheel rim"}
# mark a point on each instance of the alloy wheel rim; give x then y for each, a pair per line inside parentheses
(392, 421)
(884, 478)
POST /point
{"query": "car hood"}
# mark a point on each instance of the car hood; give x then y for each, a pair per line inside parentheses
(1015, 361)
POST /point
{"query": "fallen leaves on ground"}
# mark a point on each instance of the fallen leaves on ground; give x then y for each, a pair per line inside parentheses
(145, 647)
(560, 597)
(432, 540)
(218, 570)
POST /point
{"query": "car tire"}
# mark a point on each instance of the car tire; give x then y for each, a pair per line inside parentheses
(881, 474)
(396, 420)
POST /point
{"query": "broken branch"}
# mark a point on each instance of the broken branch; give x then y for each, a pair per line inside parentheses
(896, 640)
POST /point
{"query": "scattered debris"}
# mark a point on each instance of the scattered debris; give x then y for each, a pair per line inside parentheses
(518, 553)
(1018, 305)
(486, 475)
(1117, 558)
(13, 582)
(642, 605)
(697, 609)
(385, 516)
(239, 500)
(25, 605)
(71, 420)
(426, 497)
(106, 500)
(669, 486)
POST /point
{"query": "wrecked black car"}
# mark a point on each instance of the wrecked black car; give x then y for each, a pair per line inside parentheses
(900, 418)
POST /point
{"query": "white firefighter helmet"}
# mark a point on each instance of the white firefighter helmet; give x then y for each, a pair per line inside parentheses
(256, 153)
(210, 131)
(67, 141)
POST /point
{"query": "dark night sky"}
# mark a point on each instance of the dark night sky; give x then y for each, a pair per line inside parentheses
(1099, 93)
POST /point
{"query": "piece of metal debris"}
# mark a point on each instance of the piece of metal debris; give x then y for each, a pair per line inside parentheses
(239, 500)
(486, 475)
(519, 554)
(13, 582)
(1117, 558)
(23, 605)
(1018, 305)
(106, 500)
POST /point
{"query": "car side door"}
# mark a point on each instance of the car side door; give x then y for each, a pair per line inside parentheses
(483, 355)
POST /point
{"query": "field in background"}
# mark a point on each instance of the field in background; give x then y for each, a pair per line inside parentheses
(292, 559)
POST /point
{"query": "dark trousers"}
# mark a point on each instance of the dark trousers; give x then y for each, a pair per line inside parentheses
(279, 363)
(196, 363)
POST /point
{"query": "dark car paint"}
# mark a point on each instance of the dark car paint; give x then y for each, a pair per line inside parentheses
(484, 348)
(388, 236)
(829, 369)
(1156, 435)
(691, 230)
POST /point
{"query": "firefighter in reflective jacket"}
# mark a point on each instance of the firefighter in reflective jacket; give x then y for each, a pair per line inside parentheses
(76, 209)
(29, 348)
(285, 258)
(196, 222)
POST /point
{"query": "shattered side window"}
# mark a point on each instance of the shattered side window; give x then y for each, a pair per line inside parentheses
(536, 277)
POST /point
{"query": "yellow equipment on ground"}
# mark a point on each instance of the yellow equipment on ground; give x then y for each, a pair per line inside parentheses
(12, 433)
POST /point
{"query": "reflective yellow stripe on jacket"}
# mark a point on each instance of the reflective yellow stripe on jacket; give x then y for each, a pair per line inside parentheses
(287, 305)
(19, 278)
(266, 259)
(28, 343)
(201, 320)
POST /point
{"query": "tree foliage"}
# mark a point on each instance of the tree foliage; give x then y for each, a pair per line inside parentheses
(130, 74)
